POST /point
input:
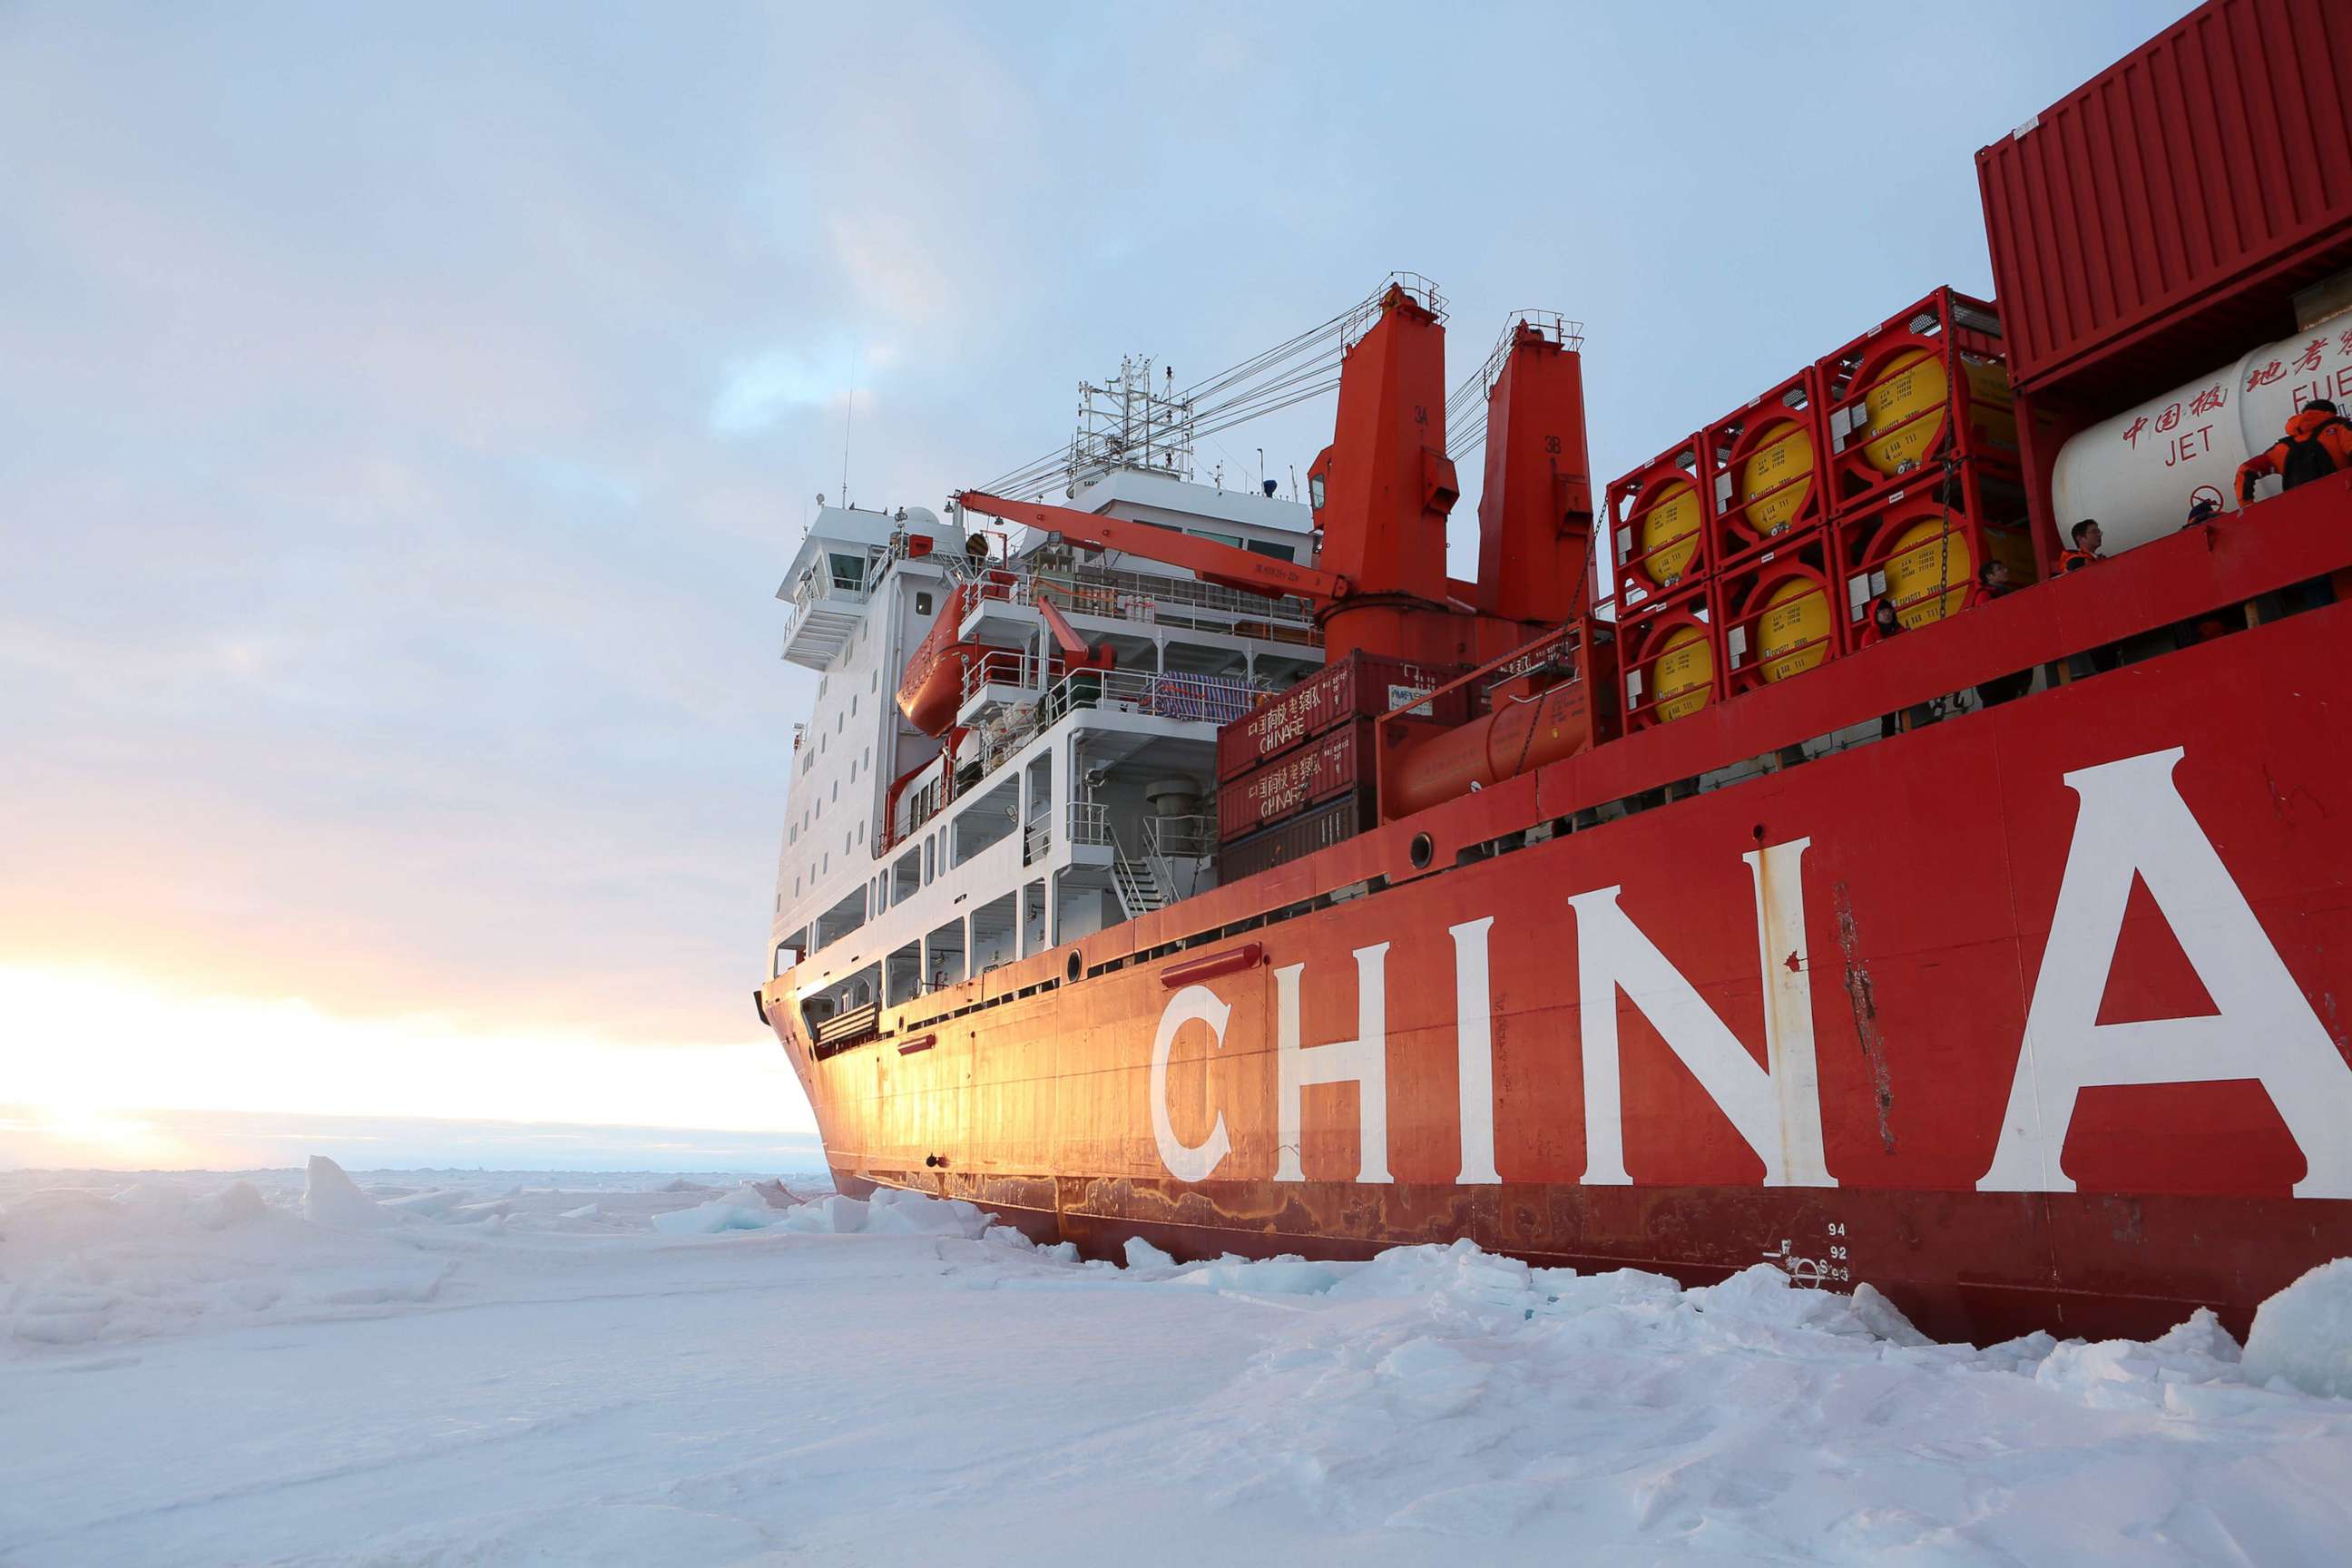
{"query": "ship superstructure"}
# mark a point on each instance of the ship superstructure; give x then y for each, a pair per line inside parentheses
(1800, 847)
(1049, 797)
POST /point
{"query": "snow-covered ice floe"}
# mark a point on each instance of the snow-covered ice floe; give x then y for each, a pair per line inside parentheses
(477, 1367)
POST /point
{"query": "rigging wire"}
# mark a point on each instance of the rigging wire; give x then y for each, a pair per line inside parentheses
(1299, 368)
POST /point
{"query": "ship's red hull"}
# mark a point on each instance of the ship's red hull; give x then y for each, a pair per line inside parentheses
(1785, 1020)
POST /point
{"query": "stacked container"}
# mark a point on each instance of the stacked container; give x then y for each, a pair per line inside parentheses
(1667, 661)
(1775, 598)
(1298, 773)
(1922, 460)
(1661, 536)
(1749, 553)
(1658, 524)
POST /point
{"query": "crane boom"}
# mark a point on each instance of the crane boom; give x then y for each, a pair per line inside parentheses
(1076, 652)
(1221, 564)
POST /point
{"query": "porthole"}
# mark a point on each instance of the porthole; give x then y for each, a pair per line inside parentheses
(1420, 851)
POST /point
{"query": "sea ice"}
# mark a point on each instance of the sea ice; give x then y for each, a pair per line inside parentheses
(2304, 1334)
(745, 1208)
(902, 1381)
(330, 1197)
(889, 1213)
(837, 1215)
(239, 1203)
(429, 1205)
(1146, 1259)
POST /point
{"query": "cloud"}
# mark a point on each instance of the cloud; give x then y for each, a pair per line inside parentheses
(757, 392)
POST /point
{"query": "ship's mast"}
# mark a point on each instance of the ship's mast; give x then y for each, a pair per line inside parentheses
(1124, 423)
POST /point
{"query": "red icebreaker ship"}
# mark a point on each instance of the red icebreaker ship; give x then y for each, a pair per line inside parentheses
(1740, 869)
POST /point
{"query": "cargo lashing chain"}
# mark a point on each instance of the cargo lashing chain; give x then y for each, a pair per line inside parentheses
(1949, 467)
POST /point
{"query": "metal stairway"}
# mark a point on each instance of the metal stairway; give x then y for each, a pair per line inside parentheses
(1138, 884)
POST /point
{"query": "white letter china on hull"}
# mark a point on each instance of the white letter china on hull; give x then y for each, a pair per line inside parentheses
(1363, 1061)
(1187, 1162)
(1474, 1036)
(1776, 1109)
(2132, 821)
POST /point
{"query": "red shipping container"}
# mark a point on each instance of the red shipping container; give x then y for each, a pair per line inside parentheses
(2159, 219)
(1336, 764)
(1302, 836)
(1361, 686)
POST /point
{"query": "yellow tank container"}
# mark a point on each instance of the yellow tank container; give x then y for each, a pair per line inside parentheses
(1684, 675)
(1908, 401)
(1668, 536)
(1931, 568)
(1776, 478)
(1793, 633)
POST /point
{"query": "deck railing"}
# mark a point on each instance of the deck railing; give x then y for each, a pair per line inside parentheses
(1001, 667)
(1163, 694)
(1179, 838)
(1089, 822)
(1142, 596)
(1198, 698)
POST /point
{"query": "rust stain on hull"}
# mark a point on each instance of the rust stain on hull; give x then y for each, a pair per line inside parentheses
(1864, 1001)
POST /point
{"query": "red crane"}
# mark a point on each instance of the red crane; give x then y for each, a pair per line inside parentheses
(1205, 558)
(1382, 493)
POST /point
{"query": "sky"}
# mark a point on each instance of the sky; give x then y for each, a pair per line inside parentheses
(406, 414)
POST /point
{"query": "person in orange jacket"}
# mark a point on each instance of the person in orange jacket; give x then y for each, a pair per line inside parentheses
(1881, 623)
(1992, 583)
(2317, 442)
(2086, 537)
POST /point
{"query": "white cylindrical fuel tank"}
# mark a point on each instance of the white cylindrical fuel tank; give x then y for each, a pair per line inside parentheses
(2140, 472)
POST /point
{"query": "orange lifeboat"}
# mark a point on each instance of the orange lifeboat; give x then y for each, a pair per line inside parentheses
(932, 687)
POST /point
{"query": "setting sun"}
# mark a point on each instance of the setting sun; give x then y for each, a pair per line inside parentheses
(96, 1048)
